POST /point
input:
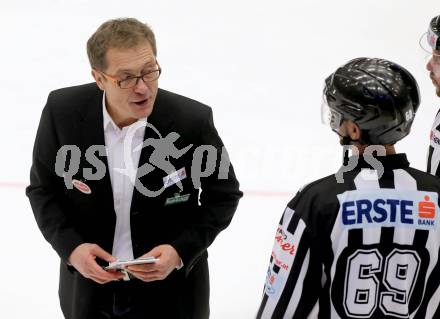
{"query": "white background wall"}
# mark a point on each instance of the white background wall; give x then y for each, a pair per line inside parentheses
(259, 64)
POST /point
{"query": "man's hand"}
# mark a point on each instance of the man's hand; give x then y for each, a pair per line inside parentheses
(83, 259)
(168, 257)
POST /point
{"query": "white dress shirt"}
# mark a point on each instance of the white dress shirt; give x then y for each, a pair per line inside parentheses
(122, 187)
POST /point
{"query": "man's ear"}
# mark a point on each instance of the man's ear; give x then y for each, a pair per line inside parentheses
(354, 131)
(98, 79)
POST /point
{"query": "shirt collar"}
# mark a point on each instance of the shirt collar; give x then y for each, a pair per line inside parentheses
(110, 124)
(108, 121)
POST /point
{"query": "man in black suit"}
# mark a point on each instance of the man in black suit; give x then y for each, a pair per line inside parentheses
(93, 209)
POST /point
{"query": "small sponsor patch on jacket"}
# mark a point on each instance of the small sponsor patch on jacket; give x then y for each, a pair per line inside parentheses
(174, 178)
(82, 187)
(177, 199)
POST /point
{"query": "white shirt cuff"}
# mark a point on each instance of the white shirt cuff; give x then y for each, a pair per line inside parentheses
(181, 264)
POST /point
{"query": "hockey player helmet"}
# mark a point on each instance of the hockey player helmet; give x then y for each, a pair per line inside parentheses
(380, 96)
(432, 40)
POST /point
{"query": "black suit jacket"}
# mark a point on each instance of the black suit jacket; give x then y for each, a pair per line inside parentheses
(68, 217)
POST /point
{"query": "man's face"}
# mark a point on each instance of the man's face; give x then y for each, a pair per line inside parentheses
(126, 106)
(433, 67)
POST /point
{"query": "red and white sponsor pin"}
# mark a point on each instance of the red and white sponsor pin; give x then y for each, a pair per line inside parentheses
(82, 187)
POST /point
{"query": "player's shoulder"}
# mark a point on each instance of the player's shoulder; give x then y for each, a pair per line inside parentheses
(424, 180)
(319, 191)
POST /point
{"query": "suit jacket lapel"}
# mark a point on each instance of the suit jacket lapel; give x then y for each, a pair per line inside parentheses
(92, 133)
(160, 118)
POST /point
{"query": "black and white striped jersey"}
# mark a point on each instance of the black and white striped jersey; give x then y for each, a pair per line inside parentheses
(434, 148)
(364, 248)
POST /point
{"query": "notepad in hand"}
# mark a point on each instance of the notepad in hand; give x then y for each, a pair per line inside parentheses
(121, 264)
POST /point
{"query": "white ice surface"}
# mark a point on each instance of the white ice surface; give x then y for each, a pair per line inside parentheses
(259, 64)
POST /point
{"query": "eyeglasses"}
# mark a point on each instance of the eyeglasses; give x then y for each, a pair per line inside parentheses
(132, 81)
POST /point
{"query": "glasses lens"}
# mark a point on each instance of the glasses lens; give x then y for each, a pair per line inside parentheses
(147, 77)
(151, 76)
(127, 83)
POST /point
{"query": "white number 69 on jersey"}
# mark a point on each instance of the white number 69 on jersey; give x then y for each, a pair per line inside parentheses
(361, 288)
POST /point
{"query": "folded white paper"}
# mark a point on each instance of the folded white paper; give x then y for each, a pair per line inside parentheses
(121, 264)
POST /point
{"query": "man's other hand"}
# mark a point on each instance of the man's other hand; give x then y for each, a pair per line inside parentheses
(83, 259)
(168, 257)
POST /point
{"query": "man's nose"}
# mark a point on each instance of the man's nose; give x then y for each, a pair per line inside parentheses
(141, 86)
(429, 64)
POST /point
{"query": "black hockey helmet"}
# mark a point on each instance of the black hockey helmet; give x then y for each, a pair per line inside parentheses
(380, 96)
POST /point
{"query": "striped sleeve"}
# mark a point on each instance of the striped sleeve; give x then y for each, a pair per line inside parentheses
(433, 157)
(433, 161)
(293, 280)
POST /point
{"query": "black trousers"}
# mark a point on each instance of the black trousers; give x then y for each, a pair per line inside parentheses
(134, 299)
(119, 300)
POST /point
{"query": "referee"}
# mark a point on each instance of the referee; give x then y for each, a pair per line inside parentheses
(363, 243)
(433, 66)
